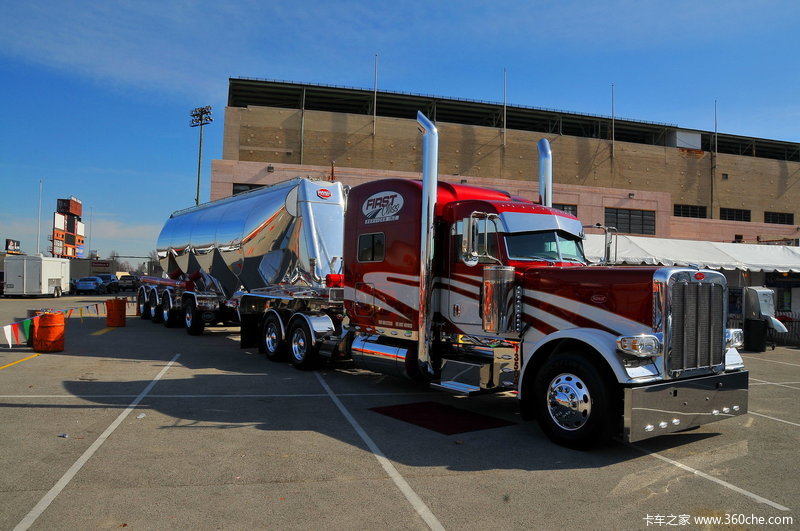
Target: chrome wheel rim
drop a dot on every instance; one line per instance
(187, 315)
(299, 345)
(569, 402)
(271, 337)
(165, 308)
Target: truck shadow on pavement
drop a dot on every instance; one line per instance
(215, 385)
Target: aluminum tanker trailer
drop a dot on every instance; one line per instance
(467, 289)
(280, 244)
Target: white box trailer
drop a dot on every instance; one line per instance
(36, 276)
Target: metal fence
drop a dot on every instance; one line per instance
(791, 320)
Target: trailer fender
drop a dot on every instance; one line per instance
(281, 322)
(599, 343)
(320, 324)
(189, 295)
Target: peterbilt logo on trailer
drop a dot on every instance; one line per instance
(383, 206)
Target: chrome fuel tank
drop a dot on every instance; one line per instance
(287, 233)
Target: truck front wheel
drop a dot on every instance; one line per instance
(304, 353)
(271, 340)
(573, 402)
(192, 319)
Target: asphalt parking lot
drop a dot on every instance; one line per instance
(148, 427)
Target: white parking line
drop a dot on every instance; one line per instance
(764, 382)
(401, 483)
(774, 418)
(718, 481)
(48, 498)
(772, 361)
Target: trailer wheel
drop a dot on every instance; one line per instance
(168, 313)
(156, 310)
(192, 320)
(271, 340)
(304, 353)
(141, 302)
(573, 402)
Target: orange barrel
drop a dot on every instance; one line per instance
(49, 335)
(115, 312)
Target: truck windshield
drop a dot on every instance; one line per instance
(556, 246)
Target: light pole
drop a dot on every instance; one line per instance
(200, 116)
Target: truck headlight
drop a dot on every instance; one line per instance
(643, 346)
(734, 338)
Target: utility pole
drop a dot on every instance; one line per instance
(375, 99)
(200, 116)
(39, 220)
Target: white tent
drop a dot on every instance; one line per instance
(713, 255)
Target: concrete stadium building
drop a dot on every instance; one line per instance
(643, 178)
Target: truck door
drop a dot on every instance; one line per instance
(462, 306)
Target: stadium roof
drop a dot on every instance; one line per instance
(244, 92)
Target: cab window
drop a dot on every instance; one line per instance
(371, 247)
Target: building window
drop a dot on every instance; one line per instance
(371, 247)
(239, 188)
(631, 221)
(569, 209)
(734, 214)
(690, 211)
(781, 218)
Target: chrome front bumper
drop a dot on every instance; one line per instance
(653, 410)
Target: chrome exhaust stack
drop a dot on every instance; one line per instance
(545, 172)
(430, 177)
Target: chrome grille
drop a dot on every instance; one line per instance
(697, 327)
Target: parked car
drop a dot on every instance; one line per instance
(128, 283)
(110, 283)
(89, 285)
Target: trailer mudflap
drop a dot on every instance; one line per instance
(653, 410)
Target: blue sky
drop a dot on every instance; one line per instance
(97, 94)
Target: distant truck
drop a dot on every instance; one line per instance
(87, 267)
(36, 276)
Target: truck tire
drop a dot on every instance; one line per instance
(141, 302)
(573, 402)
(156, 310)
(168, 313)
(271, 341)
(192, 320)
(303, 352)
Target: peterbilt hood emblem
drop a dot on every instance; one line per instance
(599, 298)
(324, 193)
(383, 206)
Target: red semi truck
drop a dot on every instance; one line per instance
(467, 289)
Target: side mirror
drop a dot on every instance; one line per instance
(469, 242)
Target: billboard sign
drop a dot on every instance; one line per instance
(13, 246)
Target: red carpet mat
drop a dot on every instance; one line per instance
(447, 420)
